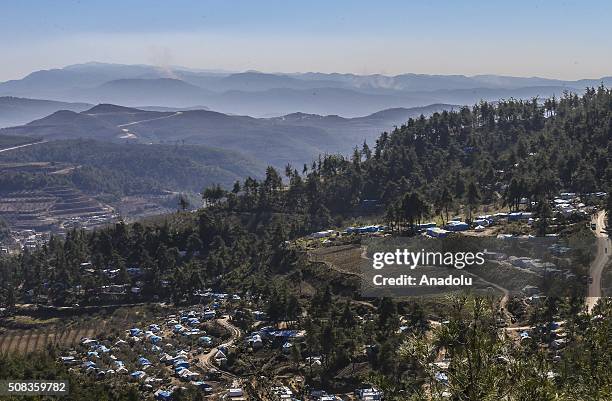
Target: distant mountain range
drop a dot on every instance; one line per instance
(294, 138)
(266, 95)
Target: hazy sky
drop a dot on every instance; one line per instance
(560, 39)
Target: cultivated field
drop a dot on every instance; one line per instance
(25, 341)
(344, 258)
(50, 208)
(24, 334)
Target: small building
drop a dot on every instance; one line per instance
(259, 315)
(188, 375)
(530, 290)
(204, 387)
(142, 361)
(437, 232)
(456, 225)
(287, 347)
(256, 341)
(236, 394)
(68, 360)
(155, 339)
(425, 226)
(135, 332)
(322, 234)
(369, 394)
(138, 375)
(205, 340)
(482, 222)
(163, 395)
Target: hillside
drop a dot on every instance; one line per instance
(296, 139)
(509, 154)
(65, 124)
(128, 169)
(119, 115)
(9, 141)
(18, 111)
(158, 91)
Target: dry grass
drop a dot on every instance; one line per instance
(24, 334)
(344, 258)
(26, 341)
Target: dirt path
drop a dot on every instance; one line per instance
(65, 171)
(604, 247)
(21, 146)
(206, 360)
(178, 113)
(505, 298)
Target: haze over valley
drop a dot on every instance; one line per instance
(260, 94)
(118, 131)
(206, 200)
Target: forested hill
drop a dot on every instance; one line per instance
(127, 169)
(510, 149)
(563, 144)
(237, 246)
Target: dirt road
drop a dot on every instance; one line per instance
(21, 146)
(604, 247)
(206, 360)
(178, 113)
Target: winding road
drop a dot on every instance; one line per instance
(206, 360)
(604, 247)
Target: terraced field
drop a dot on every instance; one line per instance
(65, 332)
(50, 208)
(25, 341)
(345, 259)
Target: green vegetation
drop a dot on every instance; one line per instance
(125, 169)
(18, 181)
(188, 251)
(4, 230)
(485, 364)
(7, 141)
(488, 154)
(44, 366)
(491, 154)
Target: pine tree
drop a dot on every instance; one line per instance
(472, 199)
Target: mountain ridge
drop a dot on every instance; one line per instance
(295, 138)
(264, 94)
(17, 111)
